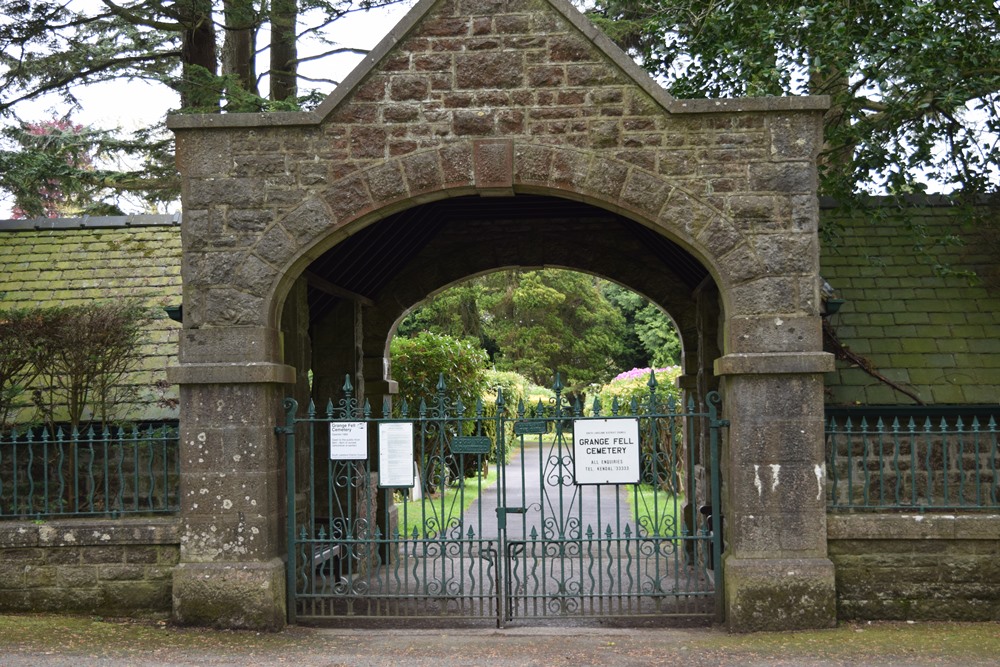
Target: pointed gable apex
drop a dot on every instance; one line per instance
(426, 10)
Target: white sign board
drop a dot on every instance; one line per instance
(606, 451)
(348, 441)
(395, 454)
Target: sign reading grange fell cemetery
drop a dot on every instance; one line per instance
(606, 451)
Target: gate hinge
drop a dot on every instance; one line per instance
(721, 422)
(284, 430)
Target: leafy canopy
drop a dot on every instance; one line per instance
(218, 55)
(539, 323)
(913, 83)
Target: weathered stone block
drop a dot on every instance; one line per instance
(780, 594)
(247, 595)
(494, 69)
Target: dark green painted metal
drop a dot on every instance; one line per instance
(536, 545)
(471, 444)
(530, 426)
(111, 472)
(947, 463)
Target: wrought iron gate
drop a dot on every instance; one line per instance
(501, 512)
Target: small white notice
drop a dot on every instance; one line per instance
(348, 441)
(606, 451)
(395, 454)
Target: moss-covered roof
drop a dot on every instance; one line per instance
(71, 261)
(933, 333)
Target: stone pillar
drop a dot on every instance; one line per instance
(777, 574)
(231, 572)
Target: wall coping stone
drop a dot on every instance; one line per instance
(574, 16)
(232, 373)
(87, 532)
(769, 363)
(936, 526)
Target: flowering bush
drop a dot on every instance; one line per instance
(634, 384)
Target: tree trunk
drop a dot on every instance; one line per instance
(199, 88)
(238, 47)
(284, 55)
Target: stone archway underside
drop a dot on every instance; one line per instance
(503, 98)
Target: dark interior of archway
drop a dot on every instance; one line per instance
(363, 264)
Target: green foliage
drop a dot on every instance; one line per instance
(913, 84)
(650, 338)
(515, 389)
(418, 364)
(205, 50)
(536, 323)
(514, 386)
(73, 358)
(633, 385)
(52, 169)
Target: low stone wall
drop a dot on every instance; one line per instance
(106, 566)
(929, 567)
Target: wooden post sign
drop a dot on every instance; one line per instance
(606, 451)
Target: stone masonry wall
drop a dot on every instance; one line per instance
(113, 566)
(506, 97)
(929, 567)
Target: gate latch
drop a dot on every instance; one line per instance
(502, 513)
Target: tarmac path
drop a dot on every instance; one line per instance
(539, 480)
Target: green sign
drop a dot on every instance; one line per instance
(530, 426)
(471, 444)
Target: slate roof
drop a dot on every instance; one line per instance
(67, 261)
(937, 335)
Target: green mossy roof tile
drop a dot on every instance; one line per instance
(74, 266)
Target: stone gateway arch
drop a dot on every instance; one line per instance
(483, 134)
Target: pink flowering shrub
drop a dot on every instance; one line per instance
(634, 384)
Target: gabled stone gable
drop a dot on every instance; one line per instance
(520, 97)
(496, 98)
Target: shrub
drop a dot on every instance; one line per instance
(72, 359)
(418, 363)
(514, 387)
(634, 385)
(17, 336)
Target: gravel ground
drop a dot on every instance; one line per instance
(76, 642)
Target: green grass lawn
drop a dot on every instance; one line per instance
(428, 514)
(657, 511)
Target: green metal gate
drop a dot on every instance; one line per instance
(503, 513)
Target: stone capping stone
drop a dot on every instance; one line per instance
(233, 373)
(567, 10)
(88, 532)
(92, 222)
(929, 526)
(770, 363)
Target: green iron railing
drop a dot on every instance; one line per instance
(912, 464)
(106, 472)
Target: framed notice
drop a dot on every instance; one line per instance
(395, 454)
(606, 451)
(348, 441)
